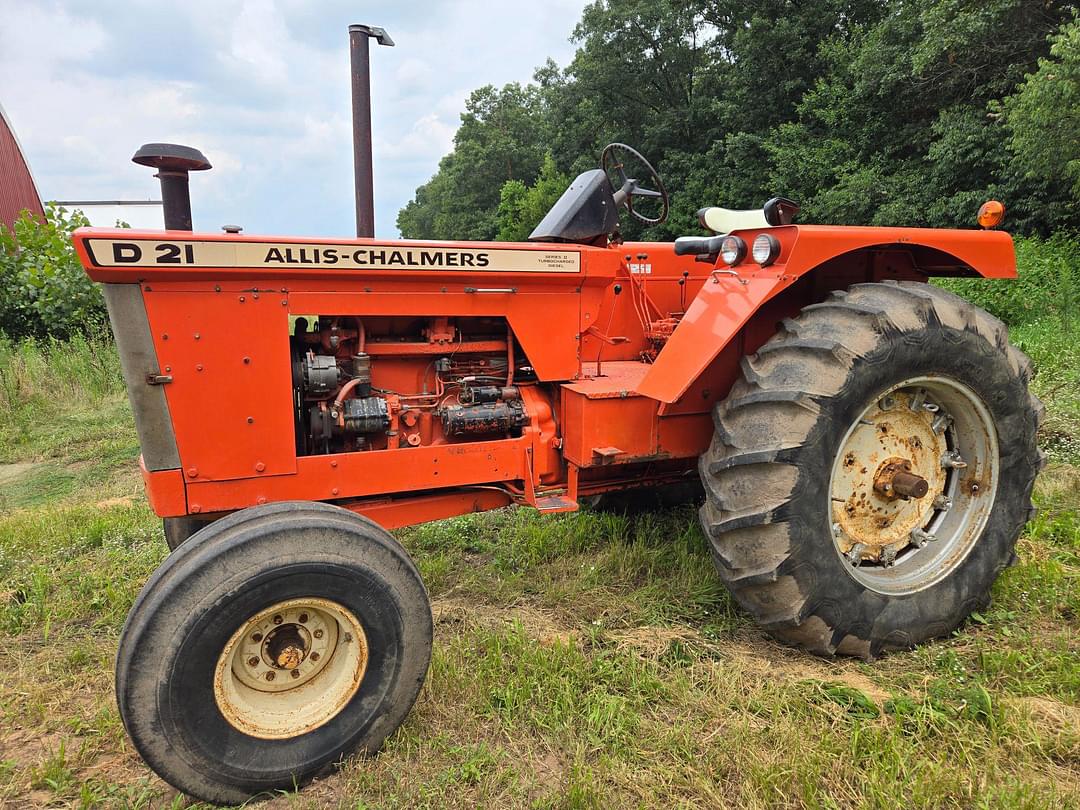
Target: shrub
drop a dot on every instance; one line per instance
(1048, 283)
(44, 291)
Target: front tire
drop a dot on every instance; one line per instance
(269, 645)
(806, 530)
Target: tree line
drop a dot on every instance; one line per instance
(867, 112)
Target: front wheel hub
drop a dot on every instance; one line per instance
(290, 668)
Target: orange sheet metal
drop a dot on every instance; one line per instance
(375, 472)
(398, 512)
(723, 307)
(165, 491)
(715, 317)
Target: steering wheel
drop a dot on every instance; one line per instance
(613, 159)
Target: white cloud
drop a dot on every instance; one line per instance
(262, 87)
(413, 74)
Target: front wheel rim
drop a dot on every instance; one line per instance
(931, 428)
(290, 668)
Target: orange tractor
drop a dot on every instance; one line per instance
(866, 442)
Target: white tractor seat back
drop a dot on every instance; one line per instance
(725, 220)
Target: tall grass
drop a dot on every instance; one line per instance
(52, 372)
(55, 394)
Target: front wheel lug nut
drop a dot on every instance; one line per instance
(295, 673)
(314, 656)
(303, 618)
(253, 661)
(317, 634)
(257, 638)
(278, 619)
(269, 676)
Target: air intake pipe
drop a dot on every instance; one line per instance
(173, 163)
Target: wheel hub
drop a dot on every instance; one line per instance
(290, 668)
(893, 445)
(913, 484)
(895, 479)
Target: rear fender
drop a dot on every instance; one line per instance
(834, 257)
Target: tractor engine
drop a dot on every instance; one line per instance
(382, 382)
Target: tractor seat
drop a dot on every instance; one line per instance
(777, 211)
(725, 220)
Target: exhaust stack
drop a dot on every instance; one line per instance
(173, 162)
(361, 109)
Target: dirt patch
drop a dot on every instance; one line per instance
(652, 641)
(542, 625)
(27, 747)
(126, 500)
(10, 472)
(778, 662)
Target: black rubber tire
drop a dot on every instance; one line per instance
(767, 471)
(178, 530)
(229, 571)
(636, 501)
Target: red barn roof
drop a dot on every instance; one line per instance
(17, 189)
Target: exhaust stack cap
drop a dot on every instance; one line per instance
(375, 31)
(171, 157)
(173, 162)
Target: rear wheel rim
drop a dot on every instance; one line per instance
(290, 668)
(940, 431)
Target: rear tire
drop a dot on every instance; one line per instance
(323, 579)
(770, 473)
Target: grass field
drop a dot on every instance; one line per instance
(581, 661)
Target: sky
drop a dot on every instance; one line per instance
(262, 88)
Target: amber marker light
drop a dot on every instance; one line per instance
(991, 214)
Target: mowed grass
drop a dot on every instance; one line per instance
(585, 660)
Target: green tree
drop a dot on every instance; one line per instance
(1044, 115)
(44, 290)
(901, 127)
(522, 207)
(865, 111)
(501, 138)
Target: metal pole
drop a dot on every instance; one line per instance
(359, 36)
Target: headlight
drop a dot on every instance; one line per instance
(732, 250)
(766, 249)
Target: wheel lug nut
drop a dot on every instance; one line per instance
(920, 538)
(317, 634)
(314, 656)
(269, 676)
(253, 661)
(295, 673)
(278, 619)
(257, 638)
(953, 461)
(303, 618)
